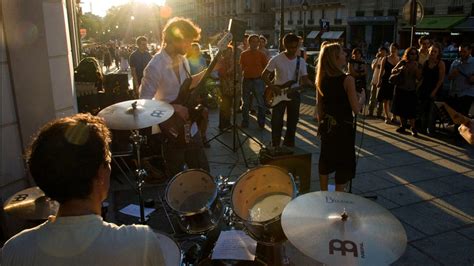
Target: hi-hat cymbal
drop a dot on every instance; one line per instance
(338, 228)
(31, 204)
(136, 114)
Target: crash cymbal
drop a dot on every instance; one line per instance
(339, 228)
(136, 114)
(31, 204)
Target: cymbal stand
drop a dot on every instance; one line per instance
(137, 141)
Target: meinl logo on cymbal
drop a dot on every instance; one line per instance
(346, 247)
(330, 199)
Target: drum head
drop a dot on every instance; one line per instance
(191, 191)
(170, 249)
(262, 193)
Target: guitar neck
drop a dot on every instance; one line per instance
(209, 69)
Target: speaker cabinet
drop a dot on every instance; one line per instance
(298, 164)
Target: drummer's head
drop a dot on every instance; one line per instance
(70, 158)
(180, 33)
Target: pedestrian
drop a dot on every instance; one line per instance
(385, 93)
(432, 80)
(376, 68)
(404, 98)
(253, 62)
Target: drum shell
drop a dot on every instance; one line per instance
(172, 252)
(273, 179)
(181, 187)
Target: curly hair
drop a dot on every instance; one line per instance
(66, 155)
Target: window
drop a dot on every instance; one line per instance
(359, 13)
(455, 10)
(392, 12)
(311, 14)
(337, 21)
(429, 11)
(378, 13)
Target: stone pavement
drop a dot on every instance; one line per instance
(427, 183)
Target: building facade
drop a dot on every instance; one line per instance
(213, 16)
(311, 18)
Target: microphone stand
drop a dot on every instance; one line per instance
(236, 129)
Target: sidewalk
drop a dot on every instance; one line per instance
(428, 184)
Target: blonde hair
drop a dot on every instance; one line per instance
(327, 64)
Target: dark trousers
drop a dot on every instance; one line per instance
(292, 109)
(192, 155)
(225, 111)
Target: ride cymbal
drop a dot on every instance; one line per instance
(339, 228)
(136, 114)
(31, 204)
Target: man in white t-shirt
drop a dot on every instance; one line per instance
(286, 66)
(70, 161)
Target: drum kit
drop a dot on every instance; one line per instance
(316, 228)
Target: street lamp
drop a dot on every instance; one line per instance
(304, 6)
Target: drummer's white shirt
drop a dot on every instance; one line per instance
(83, 240)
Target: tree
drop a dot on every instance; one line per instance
(93, 24)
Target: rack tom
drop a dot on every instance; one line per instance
(258, 199)
(192, 194)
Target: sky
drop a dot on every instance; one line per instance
(100, 7)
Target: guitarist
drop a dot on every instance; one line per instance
(162, 79)
(286, 66)
(462, 75)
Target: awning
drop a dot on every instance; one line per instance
(332, 35)
(467, 25)
(312, 35)
(377, 20)
(439, 22)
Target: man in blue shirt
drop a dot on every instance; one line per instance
(461, 74)
(138, 61)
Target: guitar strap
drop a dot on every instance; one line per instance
(297, 73)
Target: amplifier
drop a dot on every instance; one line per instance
(116, 89)
(298, 164)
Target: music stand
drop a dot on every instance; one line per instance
(237, 28)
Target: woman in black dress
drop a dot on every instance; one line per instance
(404, 99)
(433, 77)
(385, 93)
(337, 100)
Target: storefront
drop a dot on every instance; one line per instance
(374, 31)
(439, 28)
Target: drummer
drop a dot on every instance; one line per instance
(70, 161)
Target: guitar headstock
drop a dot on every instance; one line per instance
(224, 41)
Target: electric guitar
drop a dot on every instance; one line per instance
(175, 127)
(271, 99)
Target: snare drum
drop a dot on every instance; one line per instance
(171, 252)
(258, 199)
(192, 194)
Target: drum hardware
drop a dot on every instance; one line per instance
(134, 115)
(31, 204)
